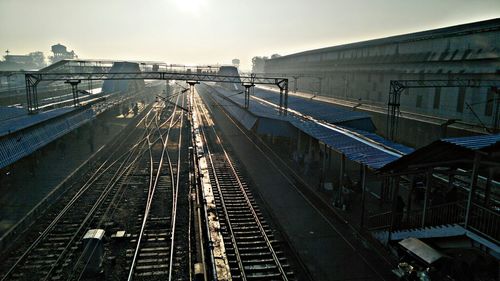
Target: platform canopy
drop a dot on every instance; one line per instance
(450, 152)
(365, 148)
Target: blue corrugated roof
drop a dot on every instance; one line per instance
(15, 124)
(11, 112)
(357, 145)
(474, 142)
(354, 149)
(317, 109)
(447, 150)
(22, 143)
(385, 142)
(244, 117)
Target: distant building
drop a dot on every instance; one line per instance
(236, 62)
(361, 72)
(61, 53)
(31, 61)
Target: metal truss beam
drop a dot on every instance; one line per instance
(89, 66)
(32, 80)
(398, 86)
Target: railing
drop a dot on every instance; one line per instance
(485, 221)
(379, 221)
(449, 213)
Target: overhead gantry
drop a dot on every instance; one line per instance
(398, 86)
(33, 79)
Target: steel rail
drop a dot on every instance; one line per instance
(100, 171)
(224, 209)
(121, 172)
(150, 131)
(292, 180)
(108, 209)
(177, 182)
(243, 191)
(152, 188)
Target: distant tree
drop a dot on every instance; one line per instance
(236, 62)
(258, 64)
(275, 56)
(38, 59)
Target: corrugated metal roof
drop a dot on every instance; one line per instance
(244, 117)
(276, 128)
(317, 109)
(403, 149)
(21, 122)
(357, 145)
(474, 142)
(24, 142)
(448, 150)
(357, 150)
(11, 112)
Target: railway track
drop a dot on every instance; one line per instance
(49, 253)
(295, 180)
(57, 252)
(138, 196)
(252, 251)
(160, 251)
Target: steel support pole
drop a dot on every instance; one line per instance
(428, 186)
(393, 109)
(472, 188)
(323, 168)
(395, 194)
(286, 97)
(342, 170)
(247, 95)
(410, 194)
(496, 118)
(281, 100)
(389, 113)
(487, 191)
(28, 95)
(363, 195)
(31, 93)
(74, 90)
(35, 95)
(75, 94)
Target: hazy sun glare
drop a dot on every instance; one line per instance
(190, 6)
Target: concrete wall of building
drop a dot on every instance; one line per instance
(363, 71)
(110, 86)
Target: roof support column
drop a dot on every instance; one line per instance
(487, 192)
(281, 99)
(341, 178)
(323, 166)
(428, 186)
(31, 93)
(74, 91)
(472, 188)
(363, 194)
(247, 94)
(410, 194)
(396, 216)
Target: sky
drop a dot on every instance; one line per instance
(217, 31)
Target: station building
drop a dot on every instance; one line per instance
(359, 74)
